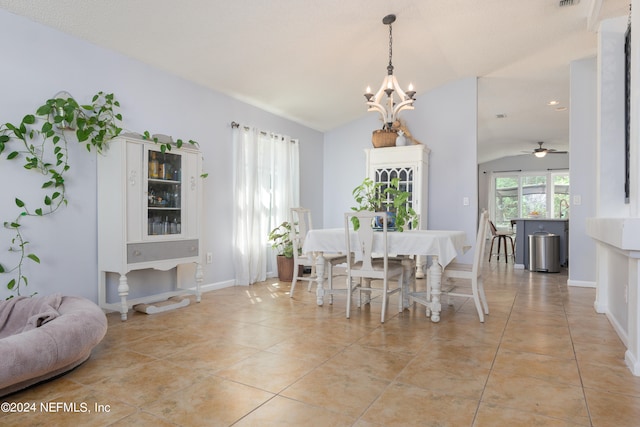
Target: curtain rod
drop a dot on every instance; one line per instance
(235, 125)
(514, 170)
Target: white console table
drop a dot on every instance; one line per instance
(618, 279)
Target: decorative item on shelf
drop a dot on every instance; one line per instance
(400, 125)
(396, 99)
(401, 140)
(384, 138)
(376, 197)
(280, 239)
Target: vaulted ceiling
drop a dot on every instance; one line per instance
(310, 60)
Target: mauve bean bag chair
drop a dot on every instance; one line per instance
(45, 336)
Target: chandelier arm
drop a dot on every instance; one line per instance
(373, 106)
(404, 105)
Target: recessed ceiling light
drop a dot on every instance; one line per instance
(561, 109)
(553, 102)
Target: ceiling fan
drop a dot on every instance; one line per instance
(541, 152)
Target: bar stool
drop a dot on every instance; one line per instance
(502, 236)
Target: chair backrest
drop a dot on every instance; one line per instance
(300, 220)
(493, 228)
(481, 240)
(363, 248)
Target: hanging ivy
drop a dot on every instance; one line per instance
(40, 143)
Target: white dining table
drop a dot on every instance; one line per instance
(442, 245)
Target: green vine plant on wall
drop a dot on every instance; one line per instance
(40, 141)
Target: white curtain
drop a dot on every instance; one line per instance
(266, 186)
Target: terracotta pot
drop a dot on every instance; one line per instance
(285, 269)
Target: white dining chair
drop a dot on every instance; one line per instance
(365, 265)
(469, 272)
(301, 223)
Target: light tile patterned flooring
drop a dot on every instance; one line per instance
(251, 356)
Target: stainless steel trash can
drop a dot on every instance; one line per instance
(544, 252)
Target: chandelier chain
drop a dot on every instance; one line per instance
(390, 66)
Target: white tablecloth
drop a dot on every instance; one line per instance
(445, 244)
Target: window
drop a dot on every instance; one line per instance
(529, 195)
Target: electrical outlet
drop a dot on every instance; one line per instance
(209, 257)
(577, 200)
(465, 201)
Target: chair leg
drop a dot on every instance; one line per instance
(476, 299)
(349, 291)
(385, 298)
(483, 297)
(491, 248)
(401, 298)
(329, 269)
(293, 282)
(513, 249)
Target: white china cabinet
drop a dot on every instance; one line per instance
(410, 164)
(149, 215)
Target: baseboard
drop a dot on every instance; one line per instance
(581, 283)
(216, 286)
(632, 363)
(622, 334)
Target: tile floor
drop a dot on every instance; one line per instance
(251, 356)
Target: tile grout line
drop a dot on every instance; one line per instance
(575, 356)
(475, 415)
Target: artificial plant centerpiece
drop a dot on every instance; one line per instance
(382, 197)
(280, 240)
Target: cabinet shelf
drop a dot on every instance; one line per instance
(163, 181)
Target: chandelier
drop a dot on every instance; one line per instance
(396, 99)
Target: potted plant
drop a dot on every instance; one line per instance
(280, 239)
(377, 196)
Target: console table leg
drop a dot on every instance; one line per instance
(123, 291)
(199, 280)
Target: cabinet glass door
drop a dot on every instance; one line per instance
(164, 193)
(405, 178)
